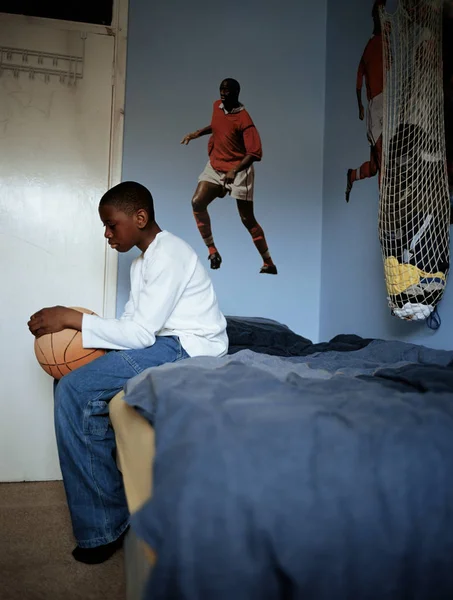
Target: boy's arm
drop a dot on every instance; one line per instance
(129, 308)
(54, 319)
(196, 134)
(57, 318)
(165, 282)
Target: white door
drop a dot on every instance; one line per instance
(55, 128)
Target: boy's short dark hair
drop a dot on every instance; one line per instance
(129, 197)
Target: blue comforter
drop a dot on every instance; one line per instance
(324, 477)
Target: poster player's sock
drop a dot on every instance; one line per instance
(203, 222)
(259, 240)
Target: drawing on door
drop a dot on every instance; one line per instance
(55, 144)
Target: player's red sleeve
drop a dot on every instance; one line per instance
(252, 142)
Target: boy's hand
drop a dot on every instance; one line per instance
(361, 112)
(56, 318)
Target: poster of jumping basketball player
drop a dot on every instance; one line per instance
(371, 72)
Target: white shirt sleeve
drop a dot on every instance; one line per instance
(129, 308)
(163, 283)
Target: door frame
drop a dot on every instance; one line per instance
(118, 30)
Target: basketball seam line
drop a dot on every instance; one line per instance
(55, 364)
(67, 346)
(53, 354)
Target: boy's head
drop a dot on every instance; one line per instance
(127, 211)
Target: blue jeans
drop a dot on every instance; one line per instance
(86, 441)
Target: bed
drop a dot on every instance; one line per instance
(291, 470)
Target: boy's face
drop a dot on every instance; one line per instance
(121, 230)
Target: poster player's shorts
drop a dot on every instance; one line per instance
(241, 188)
(375, 118)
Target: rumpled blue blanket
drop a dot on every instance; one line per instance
(326, 477)
(268, 336)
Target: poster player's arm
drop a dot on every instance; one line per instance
(359, 85)
(245, 163)
(196, 134)
(253, 149)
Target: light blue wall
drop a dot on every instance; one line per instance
(178, 53)
(353, 296)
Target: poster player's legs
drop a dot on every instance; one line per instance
(247, 215)
(374, 133)
(376, 152)
(369, 168)
(205, 193)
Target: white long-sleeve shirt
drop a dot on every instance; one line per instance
(171, 294)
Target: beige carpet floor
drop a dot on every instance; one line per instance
(35, 550)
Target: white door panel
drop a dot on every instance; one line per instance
(54, 167)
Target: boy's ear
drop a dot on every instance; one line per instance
(141, 218)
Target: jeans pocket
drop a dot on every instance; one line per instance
(96, 418)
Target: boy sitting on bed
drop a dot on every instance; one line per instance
(172, 313)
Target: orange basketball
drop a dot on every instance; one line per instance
(62, 352)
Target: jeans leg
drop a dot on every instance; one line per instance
(86, 441)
